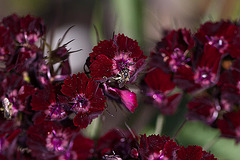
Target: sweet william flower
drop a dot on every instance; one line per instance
(52, 141)
(46, 101)
(223, 35)
(203, 74)
(203, 108)
(194, 153)
(119, 59)
(229, 125)
(85, 97)
(26, 30)
(155, 147)
(229, 84)
(158, 86)
(173, 51)
(116, 143)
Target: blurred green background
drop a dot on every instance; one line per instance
(144, 21)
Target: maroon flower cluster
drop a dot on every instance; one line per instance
(44, 107)
(204, 65)
(120, 144)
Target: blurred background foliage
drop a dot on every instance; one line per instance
(144, 21)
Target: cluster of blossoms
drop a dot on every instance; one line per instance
(44, 107)
(204, 65)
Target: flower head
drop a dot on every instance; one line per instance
(220, 35)
(158, 87)
(119, 59)
(85, 97)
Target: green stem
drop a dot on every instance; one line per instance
(159, 124)
(212, 142)
(179, 129)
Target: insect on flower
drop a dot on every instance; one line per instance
(122, 77)
(7, 108)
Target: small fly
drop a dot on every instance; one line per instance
(7, 108)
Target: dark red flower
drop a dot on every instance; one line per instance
(173, 51)
(52, 141)
(119, 59)
(26, 30)
(85, 97)
(229, 83)
(223, 35)
(46, 101)
(229, 125)
(205, 74)
(158, 87)
(203, 108)
(155, 147)
(194, 153)
(190, 153)
(116, 142)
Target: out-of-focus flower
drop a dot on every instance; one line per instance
(205, 74)
(203, 108)
(221, 35)
(116, 142)
(173, 51)
(27, 30)
(229, 84)
(85, 97)
(119, 59)
(46, 101)
(156, 147)
(194, 153)
(158, 87)
(15, 95)
(229, 125)
(51, 141)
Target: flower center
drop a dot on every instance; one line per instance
(219, 42)
(158, 97)
(56, 111)
(178, 58)
(204, 76)
(81, 103)
(56, 141)
(123, 66)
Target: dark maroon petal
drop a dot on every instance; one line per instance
(43, 99)
(203, 109)
(159, 80)
(84, 119)
(208, 156)
(172, 103)
(108, 48)
(101, 67)
(170, 149)
(190, 153)
(83, 147)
